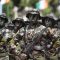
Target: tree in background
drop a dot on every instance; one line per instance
(24, 3)
(7, 8)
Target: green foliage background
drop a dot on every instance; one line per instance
(23, 3)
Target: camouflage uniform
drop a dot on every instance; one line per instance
(3, 52)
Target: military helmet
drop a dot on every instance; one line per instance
(58, 23)
(4, 18)
(48, 21)
(18, 22)
(33, 15)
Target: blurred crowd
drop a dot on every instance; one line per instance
(14, 8)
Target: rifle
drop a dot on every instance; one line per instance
(35, 39)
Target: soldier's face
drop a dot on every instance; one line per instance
(59, 24)
(16, 24)
(1, 22)
(48, 23)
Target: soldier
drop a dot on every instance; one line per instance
(3, 21)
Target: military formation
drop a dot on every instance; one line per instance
(37, 38)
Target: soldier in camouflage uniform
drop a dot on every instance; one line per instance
(3, 49)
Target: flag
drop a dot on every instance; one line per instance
(42, 4)
(7, 1)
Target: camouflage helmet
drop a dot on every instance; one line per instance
(48, 21)
(33, 15)
(4, 18)
(58, 23)
(18, 22)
